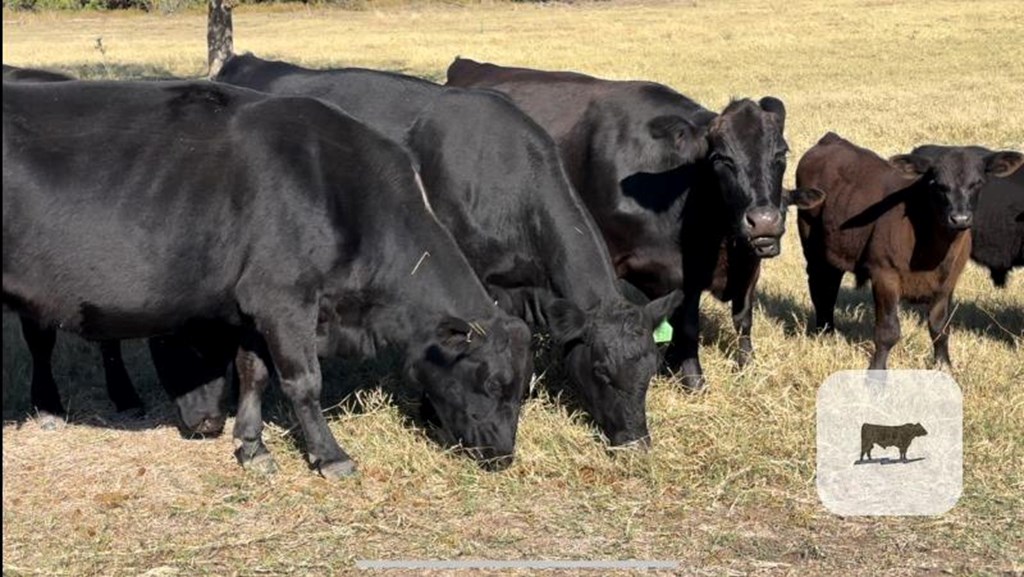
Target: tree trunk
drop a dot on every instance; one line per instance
(219, 34)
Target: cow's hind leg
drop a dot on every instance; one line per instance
(119, 385)
(253, 365)
(44, 394)
(938, 328)
(291, 340)
(823, 281)
(886, 290)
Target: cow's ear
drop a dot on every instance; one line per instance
(631, 293)
(454, 333)
(804, 198)
(1003, 163)
(689, 141)
(566, 321)
(910, 165)
(775, 106)
(661, 308)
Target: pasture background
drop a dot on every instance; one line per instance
(728, 487)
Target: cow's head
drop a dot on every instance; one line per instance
(201, 411)
(918, 430)
(747, 152)
(953, 177)
(611, 357)
(475, 377)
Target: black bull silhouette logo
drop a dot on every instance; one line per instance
(888, 436)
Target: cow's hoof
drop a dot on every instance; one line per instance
(744, 358)
(254, 456)
(337, 470)
(261, 463)
(50, 422)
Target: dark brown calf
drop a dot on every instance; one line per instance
(903, 223)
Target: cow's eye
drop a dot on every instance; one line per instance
(492, 387)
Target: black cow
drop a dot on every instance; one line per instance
(889, 436)
(495, 181)
(997, 237)
(40, 341)
(131, 209)
(684, 197)
(192, 376)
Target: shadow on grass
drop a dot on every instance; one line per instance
(1001, 323)
(887, 461)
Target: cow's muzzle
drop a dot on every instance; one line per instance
(764, 227)
(960, 220)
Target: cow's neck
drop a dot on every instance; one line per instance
(578, 264)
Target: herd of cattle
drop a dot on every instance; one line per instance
(277, 214)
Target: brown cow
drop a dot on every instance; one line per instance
(903, 223)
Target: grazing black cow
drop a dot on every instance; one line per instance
(997, 237)
(40, 341)
(889, 436)
(684, 197)
(495, 181)
(903, 223)
(131, 209)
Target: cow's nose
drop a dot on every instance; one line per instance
(961, 220)
(764, 221)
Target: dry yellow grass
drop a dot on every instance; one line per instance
(729, 485)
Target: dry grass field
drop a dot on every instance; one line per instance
(728, 487)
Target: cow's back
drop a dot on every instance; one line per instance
(116, 192)
(391, 102)
(855, 182)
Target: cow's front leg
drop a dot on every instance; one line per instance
(682, 355)
(938, 328)
(291, 340)
(743, 317)
(886, 288)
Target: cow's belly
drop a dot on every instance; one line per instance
(920, 287)
(648, 259)
(103, 293)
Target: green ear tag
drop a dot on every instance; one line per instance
(663, 334)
